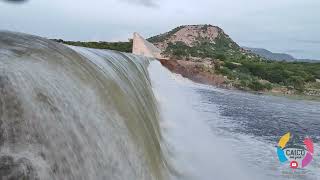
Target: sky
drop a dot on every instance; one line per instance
(288, 26)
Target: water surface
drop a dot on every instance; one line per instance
(221, 134)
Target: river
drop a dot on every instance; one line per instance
(223, 134)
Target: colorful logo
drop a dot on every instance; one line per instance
(299, 156)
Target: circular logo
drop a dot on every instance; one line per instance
(294, 164)
(298, 155)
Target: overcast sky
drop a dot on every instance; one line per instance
(290, 26)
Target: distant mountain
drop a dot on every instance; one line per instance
(308, 60)
(270, 55)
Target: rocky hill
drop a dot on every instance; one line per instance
(195, 41)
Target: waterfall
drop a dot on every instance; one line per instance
(76, 113)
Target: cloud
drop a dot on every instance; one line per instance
(147, 3)
(15, 1)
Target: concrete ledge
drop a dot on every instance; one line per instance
(144, 48)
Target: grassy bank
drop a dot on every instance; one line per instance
(117, 46)
(258, 74)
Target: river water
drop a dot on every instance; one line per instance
(222, 134)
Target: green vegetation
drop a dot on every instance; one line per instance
(118, 46)
(203, 48)
(248, 71)
(251, 71)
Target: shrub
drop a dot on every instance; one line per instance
(257, 86)
(231, 65)
(297, 82)
(222, 57)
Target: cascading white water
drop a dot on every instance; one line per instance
(75, 113)
(197, 153)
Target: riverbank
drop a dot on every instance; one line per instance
(203, 72)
